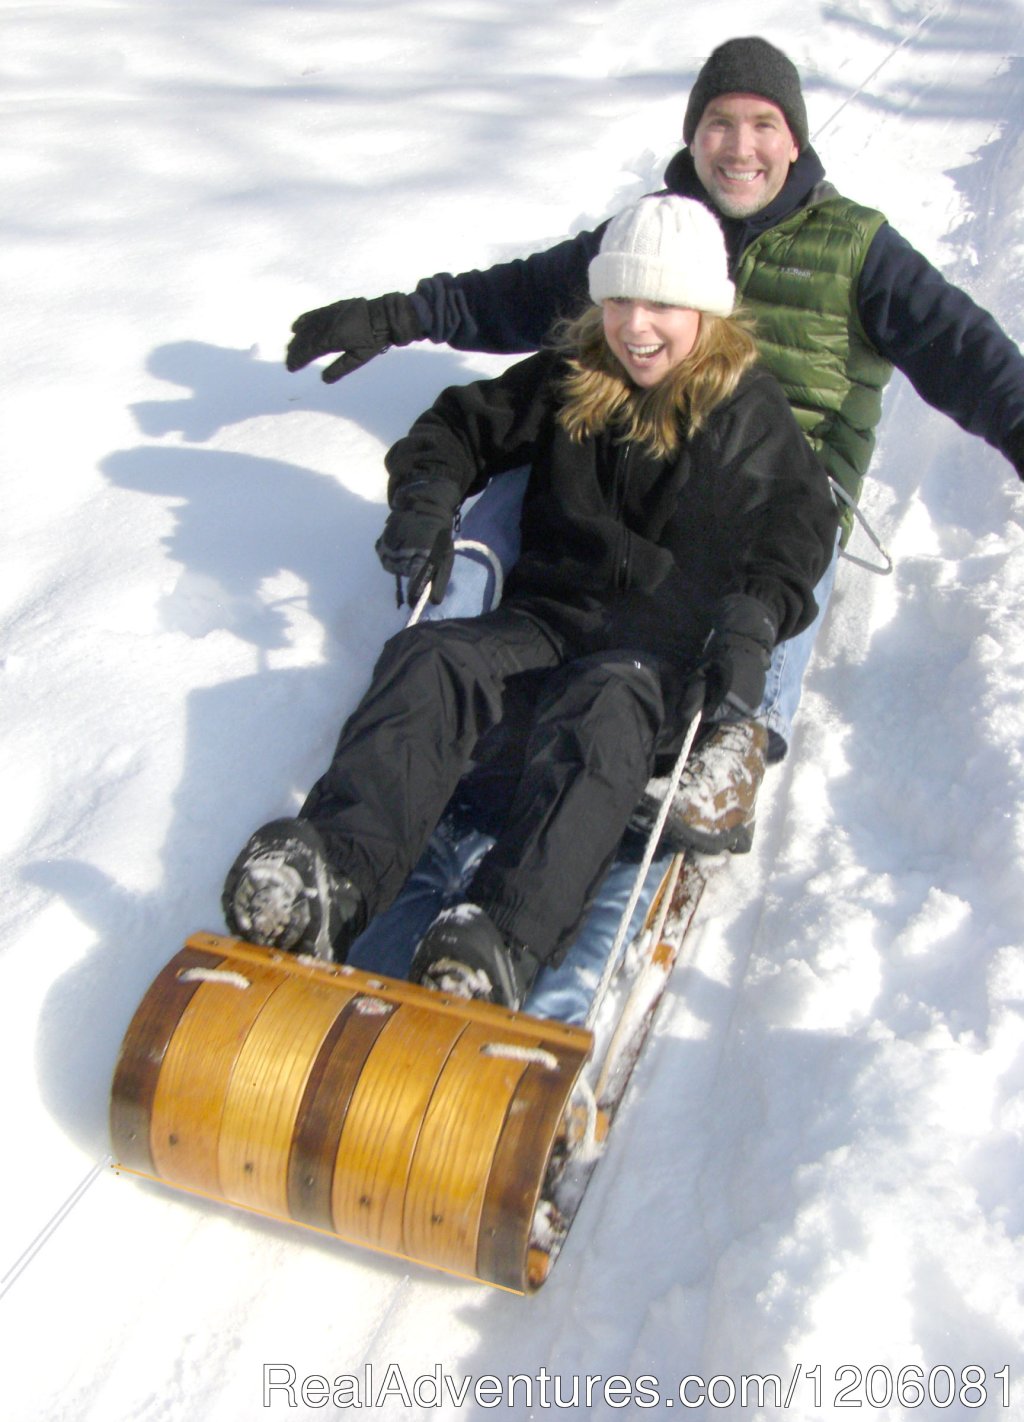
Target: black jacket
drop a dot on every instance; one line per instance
(953, 352)
(623, 550)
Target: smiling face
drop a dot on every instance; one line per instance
(742, 151)
(647, 338)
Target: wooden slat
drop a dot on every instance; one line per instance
(321, 1115)
(518, 1170)
(460, 1134)
(142, 1054)
(384, 1121)
(266, 1087)
(190, 1095)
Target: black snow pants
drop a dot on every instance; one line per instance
(436, 690)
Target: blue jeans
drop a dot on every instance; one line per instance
(438, 881)
(786, 672)
(493, 519)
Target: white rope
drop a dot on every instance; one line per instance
(627, 1025)
(536, 1056)
(907, 39)
(214, 975)
(841, 493)
(472, 545)
(861, 88)
(235, 980)
(638, 883)
(467, 545)
(417, 612)
(22, 1263)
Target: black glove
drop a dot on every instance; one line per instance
(359, 328)
(737, 654)
(417, 542)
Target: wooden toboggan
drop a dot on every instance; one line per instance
(365, 1107)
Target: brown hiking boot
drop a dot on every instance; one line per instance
(713, 807)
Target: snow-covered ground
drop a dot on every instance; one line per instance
(821, 1164)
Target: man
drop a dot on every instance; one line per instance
(839, 298)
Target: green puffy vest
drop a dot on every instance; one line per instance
(799, 280)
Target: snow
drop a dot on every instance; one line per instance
(820, 1164)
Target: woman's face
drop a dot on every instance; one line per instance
(648, 339)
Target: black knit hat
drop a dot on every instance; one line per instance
(749, 66)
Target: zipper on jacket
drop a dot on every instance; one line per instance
(619, 484)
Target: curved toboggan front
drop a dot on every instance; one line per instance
(362, 1106)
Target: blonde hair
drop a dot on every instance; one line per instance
(597, 393)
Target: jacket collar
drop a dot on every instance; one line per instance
(804, 177)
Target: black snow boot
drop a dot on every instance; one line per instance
(282, 892)
(464, 954)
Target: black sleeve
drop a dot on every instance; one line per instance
(779, 499)
(956, 356)
(474, 431)
(511, 307)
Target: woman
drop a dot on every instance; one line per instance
(674, 526)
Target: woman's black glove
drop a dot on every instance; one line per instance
(737, 654)
(417, 542)
(359, 328)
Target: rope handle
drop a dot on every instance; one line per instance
(214, 975)
(638, 883)
(514, 1051)
(467, 545)
(841, 493)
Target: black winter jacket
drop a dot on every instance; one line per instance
(623, 550)
(953, 352)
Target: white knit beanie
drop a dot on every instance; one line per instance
(667, 249)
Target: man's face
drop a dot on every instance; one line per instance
(742, 151)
